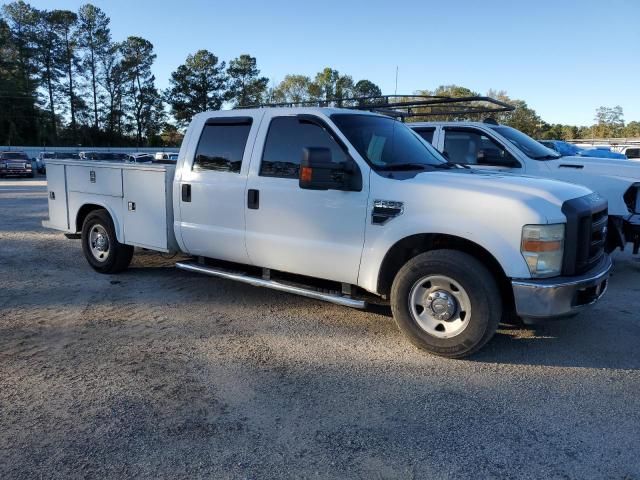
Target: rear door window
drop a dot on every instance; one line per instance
(221, 146)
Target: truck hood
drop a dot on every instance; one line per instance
(609, 177)
(537, 194)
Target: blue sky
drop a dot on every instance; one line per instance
(565, 58)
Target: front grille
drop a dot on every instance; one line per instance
(586, 233)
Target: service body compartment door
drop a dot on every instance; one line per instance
(99, 180)
(145, 208)
(57, 191)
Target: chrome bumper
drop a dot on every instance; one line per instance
(561, 296)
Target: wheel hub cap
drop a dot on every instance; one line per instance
(101, 243)
(441, 304)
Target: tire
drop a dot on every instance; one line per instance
(454, 285)
(100, 245)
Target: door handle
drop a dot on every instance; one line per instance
(253, 199)
(186, 192)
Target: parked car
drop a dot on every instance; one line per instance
(632, 152)
(347, 207)
(104, 156)
(140, 158)
(44, 156)
(567, 149)
(490, 146)
(15, 164)
(170, 156)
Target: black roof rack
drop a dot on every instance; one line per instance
(405, 106)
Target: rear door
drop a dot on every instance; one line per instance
(212, 188)
(319, 233)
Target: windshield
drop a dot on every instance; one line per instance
(526, 144)
(385, 142)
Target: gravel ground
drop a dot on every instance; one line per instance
(160, 373)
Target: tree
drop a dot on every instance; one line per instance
(196, 86)
(112, 79)
(18, 78)
(366, 88)
(94, 37)
(632, 129)
(137, 58)
(65, 22)
(51, 63)
(609, 122)
(292, 89)
(245, 86)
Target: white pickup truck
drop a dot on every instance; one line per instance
(491, 146)
(349, 207)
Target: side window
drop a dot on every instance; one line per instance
(286, 138)
(426, 133)
(474, 148)
(221, 146)
(633, 153)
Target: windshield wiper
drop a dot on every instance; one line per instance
(404, 166)
(449, 165)
(547, 157)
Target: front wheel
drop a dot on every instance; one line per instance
(446, 302)
(100, 245)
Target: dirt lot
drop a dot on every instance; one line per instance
(163, 374)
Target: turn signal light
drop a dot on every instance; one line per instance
(306, 173)
(541, 245)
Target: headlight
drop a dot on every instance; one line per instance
(542, 248)
(27, 165)
(3, 165)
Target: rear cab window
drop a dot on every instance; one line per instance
(222, 144)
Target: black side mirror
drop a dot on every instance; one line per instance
(318, 172)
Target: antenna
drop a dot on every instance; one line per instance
(396, 90)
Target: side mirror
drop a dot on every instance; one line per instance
(318, 172)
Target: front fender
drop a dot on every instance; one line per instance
(502, 243)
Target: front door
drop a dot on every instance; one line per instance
(319, 233)
(212, 189)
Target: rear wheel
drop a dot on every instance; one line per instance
(446, 302)
(100, 245)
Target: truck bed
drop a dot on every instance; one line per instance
(138, 197)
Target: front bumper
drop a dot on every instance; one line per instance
(560, 296)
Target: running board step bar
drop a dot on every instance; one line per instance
(260, 282)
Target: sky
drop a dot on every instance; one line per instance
(564, 58)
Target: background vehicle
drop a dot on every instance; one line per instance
(15, 164)
(166, 156)
(104, 156)
(44, 156)
(632, 153)
(140, 158)
(490, 146)
(347, 207)
(567, 149)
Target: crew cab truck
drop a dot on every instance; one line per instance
(15, 164)
(348, 207)
(490, 146)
